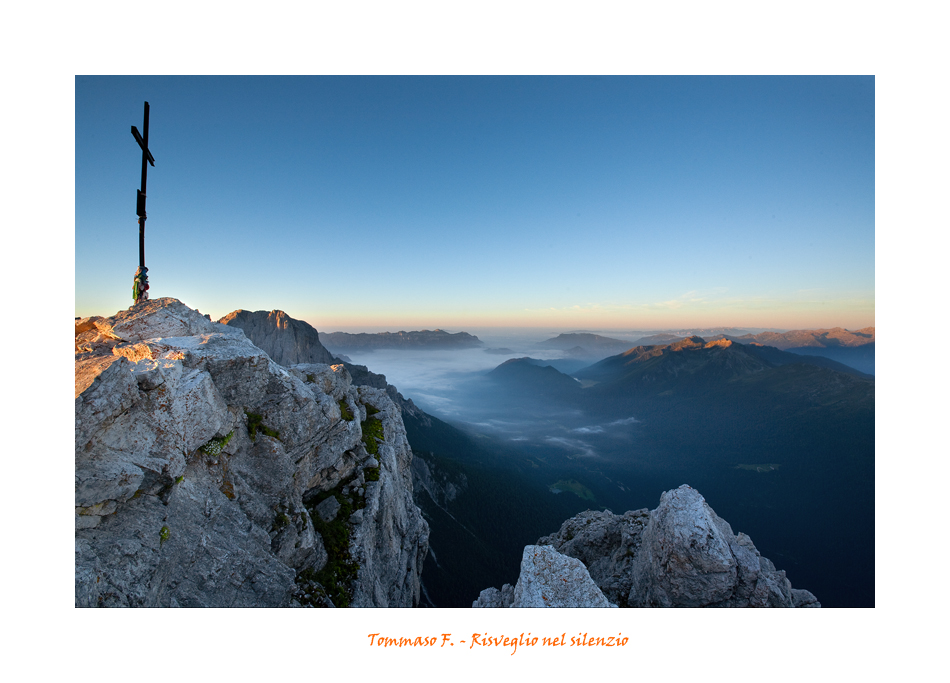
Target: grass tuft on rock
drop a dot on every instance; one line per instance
(372, 429)
(216, 445)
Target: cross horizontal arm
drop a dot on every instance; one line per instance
(138, 139)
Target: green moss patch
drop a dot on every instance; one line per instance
(310, 592)
(255, 424)
(280, 521)
(337, 576)
(335, 580)
(345, 411)
(372, 429)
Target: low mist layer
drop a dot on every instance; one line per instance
(783, 464)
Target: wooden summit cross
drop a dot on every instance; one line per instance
(140, 283)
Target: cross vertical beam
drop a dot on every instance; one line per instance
(140, 283)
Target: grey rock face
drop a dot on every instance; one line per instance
(679, 555)
(390, 538)
(363, 377)
(291, 342)
(286, 340)
(328, 509)
(689, 557)
(607, 545)
(547, 579)
(492, 597)
(440, 487)
(195, 454)
(550, 579)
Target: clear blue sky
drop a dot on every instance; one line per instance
(411, 202)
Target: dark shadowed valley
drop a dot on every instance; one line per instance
(780, 442)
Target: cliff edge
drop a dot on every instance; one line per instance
(209, 475)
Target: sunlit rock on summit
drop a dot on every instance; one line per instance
(201, 462)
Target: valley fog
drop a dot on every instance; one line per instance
(606, 454)
(434, 378)
(788, 484)
(450, 384)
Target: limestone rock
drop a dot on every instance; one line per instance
(364, 377)
(153, 318)
(606, 543)
(286, 340)
(689, 557)
(550, 579)
(390, 537)
(803, 598)
(686, 557)
(328, 509)
(679, 555)
(195, 454)
(105, 388)
(547, 579)
(492, 597)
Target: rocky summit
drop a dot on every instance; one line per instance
(682, 554)
(203, 471)
(208, 474)
(286, 340)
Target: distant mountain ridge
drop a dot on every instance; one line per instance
(432, 339)
(663, 338)
(721, 413)
(852, 348)
(693, 360)
(578, 344)
(534, 377)
(827, 338)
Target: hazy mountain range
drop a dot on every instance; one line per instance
(780, 441)
(784, 442)
(829, 338)
(853, 348)
(431, 339)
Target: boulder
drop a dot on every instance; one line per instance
(682, 554)
(607, 545)
(550, 579)
(547, 579)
